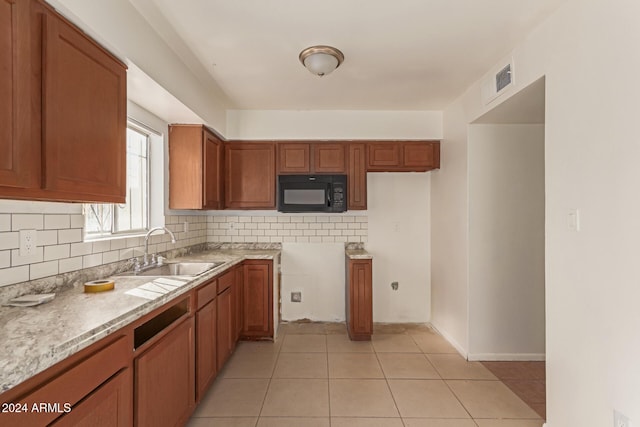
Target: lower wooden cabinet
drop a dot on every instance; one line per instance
(359, 299)
(109, 406)
(237, 292)
(206, 350)
(154, 371)
(69, 389)
(224, 326)
(164, 379)
(258, 299)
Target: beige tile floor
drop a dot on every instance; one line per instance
(314, 376)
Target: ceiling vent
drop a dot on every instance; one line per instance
(497, 83)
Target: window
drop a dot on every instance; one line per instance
(102, 219)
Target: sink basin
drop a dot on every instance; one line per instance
(176, 269)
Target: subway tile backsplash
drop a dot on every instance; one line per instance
(287, 228)
(61, 249)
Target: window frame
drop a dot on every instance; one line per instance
(139, 127)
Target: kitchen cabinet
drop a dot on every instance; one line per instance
(310, 158)
(224, 326)
(403, 156)
(206, 337)
(258, 299)
(19, 120)
(250, 175)
(237, 294)
(357, 177)
(95, 383)
(63, 110)
(164, 379)
(359, 300)
(225, 317)
(195, 168)
(107, 406)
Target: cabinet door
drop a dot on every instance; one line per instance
(383, 155)
(109, 406)
(360, 300)
(206, 337)
(357, 177)
(164, 378)
(19, 120)
(250, 175)
(293, 157)
(84, 115)
(239, 289)
(420, 155)
(224, 325)
(258, 299)
(329, 158)
(212, 171)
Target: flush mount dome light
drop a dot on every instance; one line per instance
(321, 60)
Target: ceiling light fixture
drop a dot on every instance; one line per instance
(321, 60)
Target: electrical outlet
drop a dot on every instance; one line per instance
(28, 242)
(185, 227)
(620, 420)
(296, 296)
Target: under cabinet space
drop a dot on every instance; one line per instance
(157, 324)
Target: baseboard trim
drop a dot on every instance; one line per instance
(502, 357)
(460, 349)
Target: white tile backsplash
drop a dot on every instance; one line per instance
(61, 247)
(288, 228)
(52, 222)
(27, 222)
(5, 222)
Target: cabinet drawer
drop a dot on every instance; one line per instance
(206, 293)
(72, 385)
(225, 281)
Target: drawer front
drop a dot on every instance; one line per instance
(225, 281)
(72, 385)
(206, 293)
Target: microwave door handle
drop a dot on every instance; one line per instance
(328, 199)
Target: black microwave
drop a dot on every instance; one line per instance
(312, 193)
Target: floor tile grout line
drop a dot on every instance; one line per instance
(395, 403)
(264, 399)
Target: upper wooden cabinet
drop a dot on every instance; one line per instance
(19, 117)
(62, 110)
(195, 168)
(357, 177)
(305, 158)
(250, 175)
(403, 156)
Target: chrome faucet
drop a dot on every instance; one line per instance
(145, 259)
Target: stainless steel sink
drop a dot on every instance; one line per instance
(176, 269)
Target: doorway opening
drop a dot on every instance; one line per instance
(507, 243)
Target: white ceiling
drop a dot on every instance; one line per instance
(399, 55)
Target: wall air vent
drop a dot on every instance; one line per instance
(503, 78)
(497, 82)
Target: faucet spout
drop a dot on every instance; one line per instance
(146, 241)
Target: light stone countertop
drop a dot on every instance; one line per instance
(358, 254)
(35, 338)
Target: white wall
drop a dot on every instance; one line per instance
(120, 27)
(449, 233)
(506, 242)
(588, 52)
(260, 124)
(316, 270)
(400, 242)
